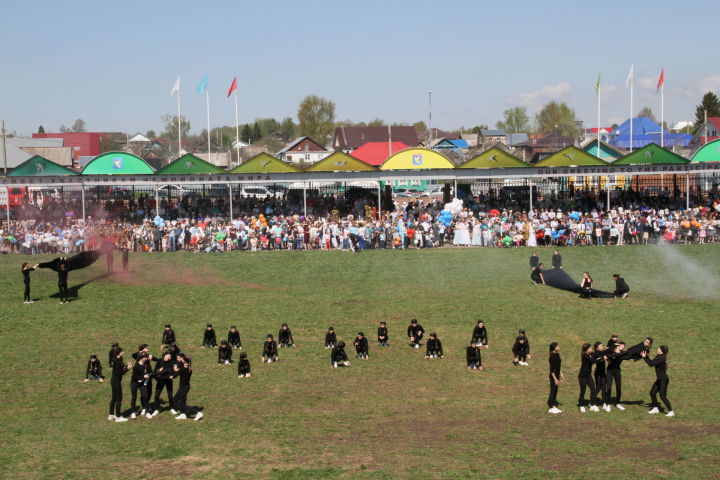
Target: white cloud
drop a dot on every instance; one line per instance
(535, 100)
(700, 86)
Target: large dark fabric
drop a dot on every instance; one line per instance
(560, 279)
(81, 260)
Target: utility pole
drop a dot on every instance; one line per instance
(4, 153)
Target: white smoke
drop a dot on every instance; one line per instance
(685, 276)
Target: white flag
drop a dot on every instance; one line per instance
(176, 87)
(630, 77)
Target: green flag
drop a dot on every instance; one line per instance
(597, 85)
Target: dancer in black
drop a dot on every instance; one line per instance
(600, 374)
(557, 260)
(234, 338)
(119, 368)
(621, 287)
(224, 353)
(142, 351)
(183, 371)
(62, 281)
(536, 276)
(434, 347)
(614, 373)
(111, 354)
(244, 366)
(534, 261)
(585, 378)
(270, 350)
(586, 286)
(338, 357)
(556, 377)
(164, 380)
(472, 355)
(209, 338)
(362, 349)
(662, 380)
(140, 379)
(285, 337)
(634, 353)
(93, 370)
(612, 343)
(330, 338)
(415, 331)
(26, 269)
(480, 335)
(382, 335)
(521, 349)
(168, 336)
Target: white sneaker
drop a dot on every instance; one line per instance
(148, 415)
(155, 412)
(132, 415)
(227, 362)
(594, 408)
(582, 409)
(172, 410)
(198, 416)
(182, 416)
(121, 419)
(417, 346)
(142, 412)
(111, 417)
(654, 410)
(554, 410)
(670, 414)
(619, 407)
(606, 407)
(525, 364)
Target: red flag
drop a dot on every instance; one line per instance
(233, 87)
(661, 80)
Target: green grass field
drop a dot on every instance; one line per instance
(395, 416)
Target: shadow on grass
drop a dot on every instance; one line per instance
(74, 291)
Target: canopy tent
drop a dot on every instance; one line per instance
(416, 159)
(38, 166)
(602, 150)
(645, 131)
(340, 162)
(189, 163)
(650, 155)
(117, 163)
(710, 152)
(375, 153)
(568, 157)
(494, 158)
(264, 163)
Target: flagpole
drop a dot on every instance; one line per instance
(632, 87)
(662, 114)
(598, 119)
(237, 127)
(207, 104)
(179, 129)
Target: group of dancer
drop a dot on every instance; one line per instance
(607, 360)
(561, 280)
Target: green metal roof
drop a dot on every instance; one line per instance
(38, 166)
(189, 163)
(117, 163)
(650, 154)
(710, 152)
(569, 156)
(605, 152)
(264, 163)
(494, 158)
(340, 162)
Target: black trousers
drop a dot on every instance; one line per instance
(144, 397)
(180, 400)
(63, 292)
(615, 375)
(116, 399)
(168, 386)
(587, 382)
(660, 386)
(552, 398)
(600, 381)
(134, 387)
(27, 292)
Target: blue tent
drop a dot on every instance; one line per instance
(645, 132)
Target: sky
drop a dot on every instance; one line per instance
(113, 64)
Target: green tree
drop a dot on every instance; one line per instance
(287, 129)
(246, 134)
(515, 120)
(63, 129)
(41, 129)
(256, 132)
(170, 126)
(647, 113)
(78, 125)
(478, 128)
(151, 134)
(316, 116)
(711, 104)
(556, 117)
(420, 126)
(268, 126)
(376, 122)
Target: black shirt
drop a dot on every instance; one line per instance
(234, 338)
(555, 364)
(473, 355)
(660, 364)
(480, 333)
(621, 287)
(270, 348)
(338, 355)
(535, 275)
(434, 347)
(557, 261)
(382, 334)
(26, 274)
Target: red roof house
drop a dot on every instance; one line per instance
(375, 153)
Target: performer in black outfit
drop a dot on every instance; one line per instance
(662, 380)
(94, 369)
(330, 338)
(586, 286)
(111, 354)
(140, 379)
(361, 347)
(472, 355)
(244, 366)
(614, 373)
(534, 261)
(62, 281)
(556, 377)
(434, 347)
(26, 269)
(600, 375)
(621, 287)
(209, 338)
(168, 336)
(521, 349)
(183, 371)
(536, 275)
(270, 351)
(234, 338)
(164, 380)
(480, 335)
(143, 351)
(285, 337)
(585, 378)
(415, 331)
(382, 334)
(634, 353)
(118, 370)
(557, 260)
(612, 343)
(224, 353)
(338, 357)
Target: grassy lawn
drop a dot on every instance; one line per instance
(394, 416)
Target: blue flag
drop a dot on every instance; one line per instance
(203, 85)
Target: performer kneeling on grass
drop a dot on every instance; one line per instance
(662, 380)
(586, 286)
(585, 378)
(556, 377)
(224, 353)
(338, 357)
(479, 334)
(536, 275)
(621, 287)
(472, 354)
(244, 366)
(285, 336)
(521, 349)
(434, 347)
(330, 338)
(164, 380)
(415, 331)
(183, 370)
(234, 338)
(362, 349)
(26, 269)
(94, 369)
(209, 339)
(382, 335)
(119, 368)
(168, 336)
(270, 350)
